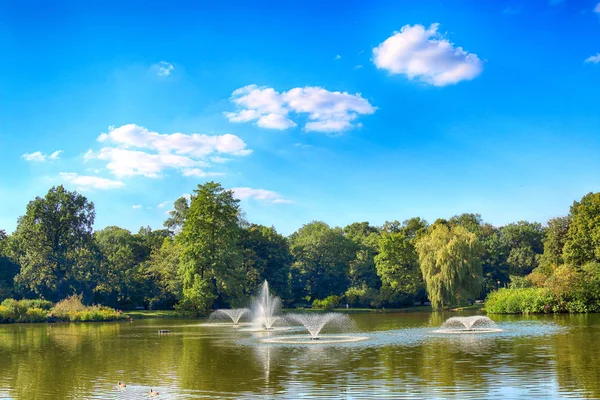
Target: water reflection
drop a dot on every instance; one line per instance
(401, 358)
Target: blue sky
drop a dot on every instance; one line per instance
(335, 111)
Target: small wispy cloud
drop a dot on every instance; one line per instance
(337, 57)
(86, 182)
(38, 156)
(593, 59)
(163, 68)
(359, 66)
(137, 206)
(597, 8)
(164, 203)
(262, 195)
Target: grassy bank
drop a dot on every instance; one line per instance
(145, 314)
(68, 310)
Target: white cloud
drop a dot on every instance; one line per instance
(275, 121)
(593, 59)
(597, 8)
(38, 156)
(137, 206)
(54, 156)
(359, 66)
(262, 195)
(327, 111)
(163, 68)
(84, 182)
(337, 57)
(196, 145)
(199, 173)
(164, 203)
(140, 151)
(427, 55)
(124, 162)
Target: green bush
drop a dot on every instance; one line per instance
(328, 303)
(35, 314)
(12, 310)
(520, 301)
(362, 297)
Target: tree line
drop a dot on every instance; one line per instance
(209, 256)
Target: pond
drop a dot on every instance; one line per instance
(554, 356)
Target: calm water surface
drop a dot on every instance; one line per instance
(536, 357)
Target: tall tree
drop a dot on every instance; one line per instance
(177, 215)
(398, 262)
(162, 269)
(8, 269)
(362, 269)
(583, 237)
(554, 243)
(265, 256)
(524, 241)
(122, 282)
(494, 250)
(54, 244)
(210, 253)
(322, 257)
(450, 260)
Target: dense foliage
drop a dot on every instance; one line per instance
(209, 256)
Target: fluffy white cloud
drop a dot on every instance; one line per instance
(275, 121)
(593, 59)
(199, 173)
(164, 203)
(139, 151)
(327, 111)
(262, 195)
(137, 206)
(38, 156)
(425, 54)
(85, 182)
(196, 145)
(124, 162)
(163, 68)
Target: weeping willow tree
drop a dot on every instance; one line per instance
(450, 260)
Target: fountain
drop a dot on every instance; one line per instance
(265, 309)
(314, 323)
(472, 324)
(234, 314)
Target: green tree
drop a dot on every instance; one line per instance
(583, 237)
(450, 260)
(398, 262)
(494, 251)
(524, 241)
(322, 257)
(554, 243)
(210, 253)
(162, 269)
(177, 215)
(122, 281)
(8, 269)
(54, 245)
(265, 256)
(362, 270)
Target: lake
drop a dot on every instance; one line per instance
(550, 356)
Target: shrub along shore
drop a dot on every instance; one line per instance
(70, 309)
